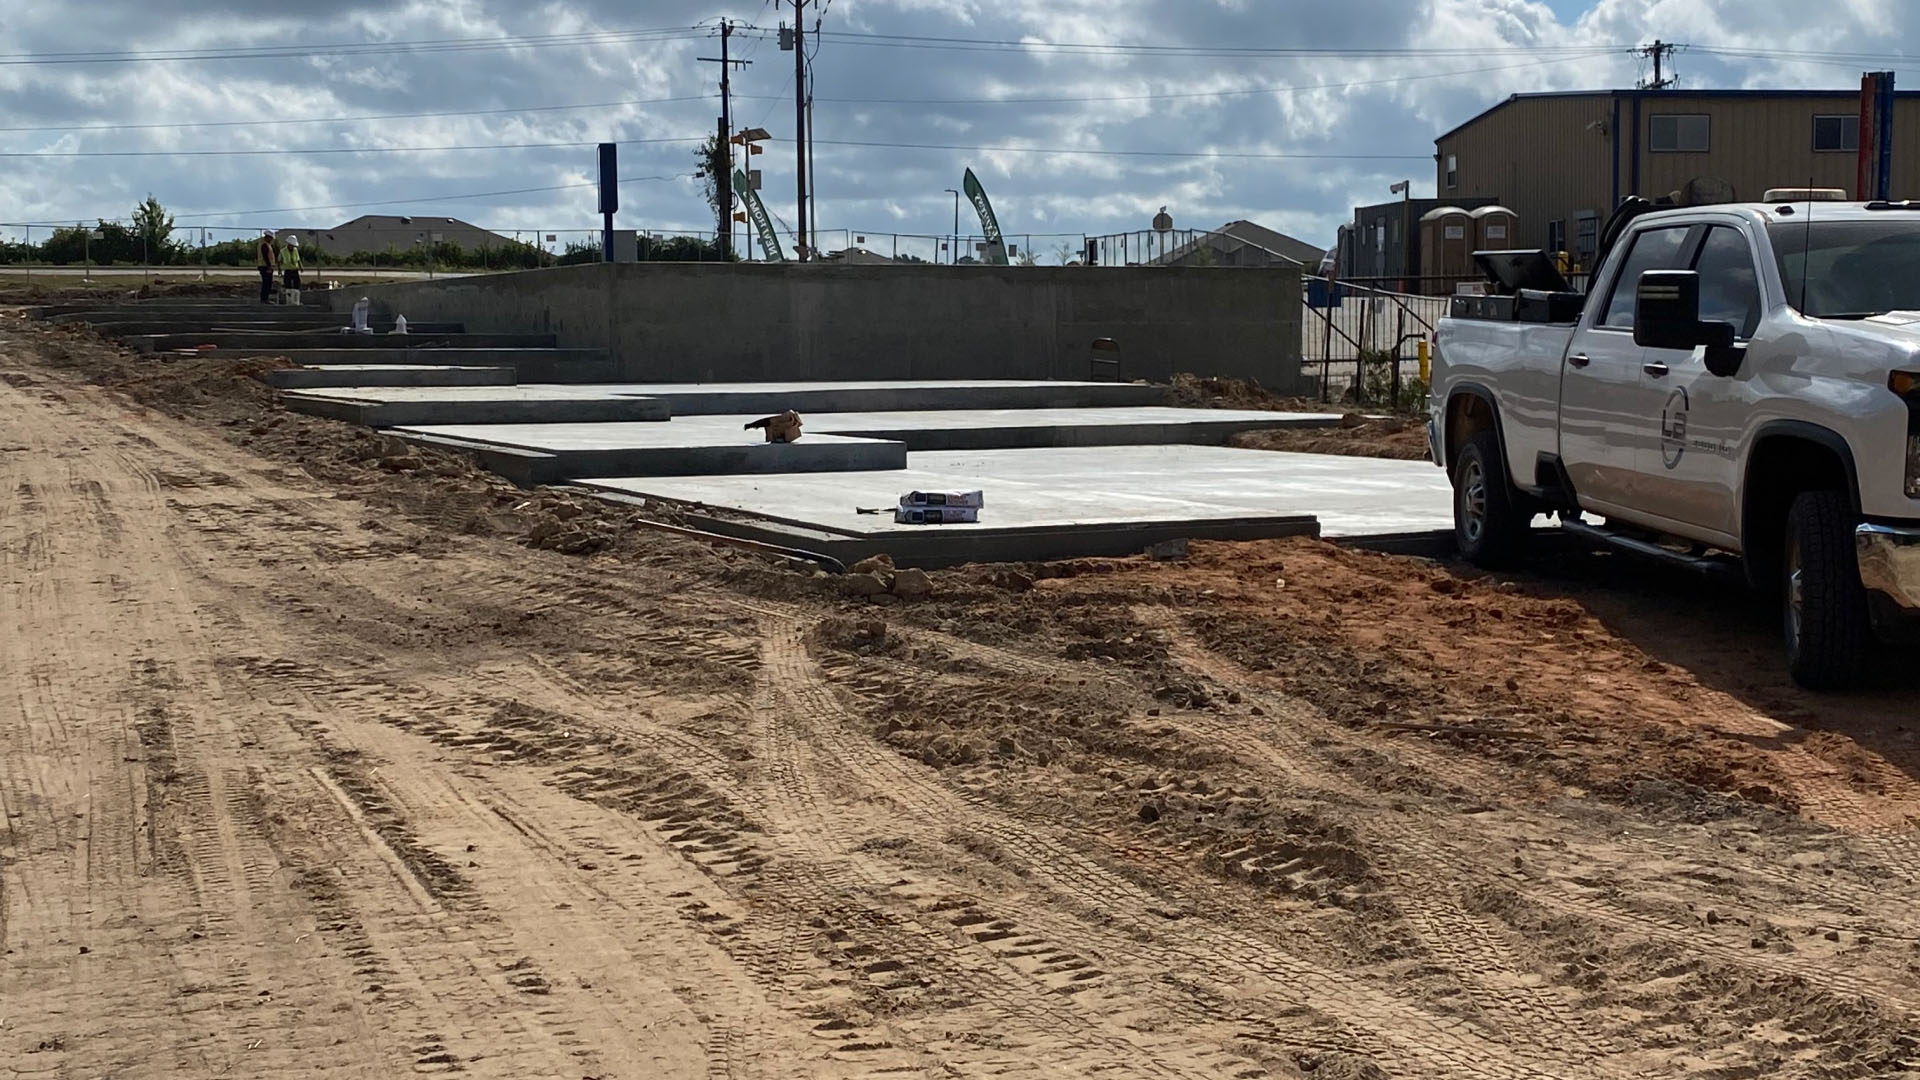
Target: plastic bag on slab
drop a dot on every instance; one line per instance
(399, 324)
(360, 308)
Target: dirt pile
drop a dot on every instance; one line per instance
(1397, 437)
(1207, 392)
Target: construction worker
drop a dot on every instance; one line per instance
(266, 259)
(290, 266)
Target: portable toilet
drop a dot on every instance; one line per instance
(1446, 243)
(1495, 228)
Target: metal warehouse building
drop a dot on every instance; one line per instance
(1561, 161)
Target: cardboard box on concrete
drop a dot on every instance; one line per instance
(971, 499)
(937, 515)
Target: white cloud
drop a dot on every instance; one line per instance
(1330, 105)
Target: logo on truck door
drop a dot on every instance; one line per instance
(1673, 429)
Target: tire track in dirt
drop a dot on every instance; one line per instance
(1431, 869)
(1383, 1027)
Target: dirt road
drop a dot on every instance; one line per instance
(303, 774)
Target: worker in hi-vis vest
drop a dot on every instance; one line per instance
(265, 259)
(290, 265)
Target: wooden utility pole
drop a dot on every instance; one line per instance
(800, 136)
(724, 181)
(1659, 51)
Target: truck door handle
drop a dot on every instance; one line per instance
(1656, 369)
(1579, 360)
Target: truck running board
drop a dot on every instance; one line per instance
(1716, 566)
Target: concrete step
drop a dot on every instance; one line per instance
(566, 366)
(144, 329)
(724, 399)
(282, 340)
(377, 406)
(202, 316)
(385, 375)
(530, 454)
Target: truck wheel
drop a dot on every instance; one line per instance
(1824, 607)
(1488, 524)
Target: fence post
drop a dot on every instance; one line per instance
(29, 254)
(1399, 339)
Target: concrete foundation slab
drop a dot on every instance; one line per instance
(998, 429)
(568, 366)
(483, 405)
(721, 399)
(276, 340)
(544, 453)
(1075, 501)
(198, 325)
(365, 375)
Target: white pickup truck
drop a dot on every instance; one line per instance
(1739, 387)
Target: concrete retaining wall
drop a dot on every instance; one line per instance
(690, 322)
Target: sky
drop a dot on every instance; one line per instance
(1285, 112)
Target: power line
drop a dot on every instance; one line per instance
(351, 119)
(1231, 155)
(364, 48)
(429, 198)
(309, 150)
(1182, 95)
(910, 41)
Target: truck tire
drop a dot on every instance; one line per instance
(1823, 605)
(1488, 523)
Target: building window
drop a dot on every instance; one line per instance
(1453, 170)
(1678, 133)
(1557, 235)
(1836, 134)
(1586, 237)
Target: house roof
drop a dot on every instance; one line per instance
(1279, 243)
(1853, 95)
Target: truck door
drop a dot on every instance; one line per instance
(1689, 464)
(1600, 379)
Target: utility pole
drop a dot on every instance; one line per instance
(799, 42)
(724, 182)
(1659, 51)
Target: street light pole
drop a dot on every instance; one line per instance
(956, 225)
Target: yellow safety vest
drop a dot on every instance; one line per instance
(290, 258)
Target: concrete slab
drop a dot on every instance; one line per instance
(293, 339)
(568, 366)
(710, 399)
(480, 405)
(1066, 502)
(997, 429)
(543, 453)
(202, 326)
(383, 375)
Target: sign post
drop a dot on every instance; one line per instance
(609, 196)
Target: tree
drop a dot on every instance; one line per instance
(153, 224)
(710, 164)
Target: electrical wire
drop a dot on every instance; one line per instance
(353, 119)
(310, 150)
(1230, 155)
(365, 48)
(1183, 95)
(910, 41)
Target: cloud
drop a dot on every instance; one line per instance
(1345, 125)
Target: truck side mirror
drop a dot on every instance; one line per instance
(1666, 313)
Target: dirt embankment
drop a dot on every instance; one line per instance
(1359, 435)
(318, 768)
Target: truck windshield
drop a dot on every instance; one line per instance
(1849, 269)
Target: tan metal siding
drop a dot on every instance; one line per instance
(1550, 157)
(1541, 157)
